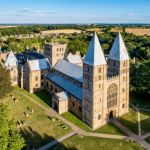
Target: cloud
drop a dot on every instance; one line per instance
(131, 14)
(25, 9)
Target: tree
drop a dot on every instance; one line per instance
(10, 139)
(5, 82)
(140, 78)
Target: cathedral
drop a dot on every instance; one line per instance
(98, 90)
(95, 88)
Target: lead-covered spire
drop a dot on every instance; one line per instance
(118, 50)
(94, 55)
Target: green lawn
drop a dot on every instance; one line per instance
(130, 120)
(93, 143)
(148, 139)
(72, 118)
(42, 97)
(107, 129)
(39, 128)
(145, 121)
(110, 129)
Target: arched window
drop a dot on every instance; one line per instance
(112, 95)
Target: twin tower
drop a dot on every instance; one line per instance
(105, 83)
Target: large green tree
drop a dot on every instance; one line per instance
(10, 139)
(5, 83)
(140, 78)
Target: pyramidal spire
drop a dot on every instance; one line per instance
(94, 55)
(11, 60)
(118, 50)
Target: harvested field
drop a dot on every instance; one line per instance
(65, 31)
(2, 27)
(139, 31)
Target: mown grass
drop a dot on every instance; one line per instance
(106, 129)
(39, 128)
(130, 120)
(145, 121)
(93, 143)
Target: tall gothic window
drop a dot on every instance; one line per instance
(112, 95)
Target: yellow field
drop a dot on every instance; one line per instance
(2, 27)
(66, 31)
(136, 31)
(139, 31)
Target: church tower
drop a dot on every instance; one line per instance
(94, 76)
(118, 65)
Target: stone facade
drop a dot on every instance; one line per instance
(55, 52)
(104, 85)
(10, 62)
(34, 78)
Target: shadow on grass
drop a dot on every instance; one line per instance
(145, 126)
(133, 126)
(45, 96)
(60, 146)
(34, 140)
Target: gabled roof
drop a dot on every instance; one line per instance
(72, 70)
(75, 59)
(62, 95)
(94, 55)
(66, 85)
(118, 50)
(38, 64)
(11, 60)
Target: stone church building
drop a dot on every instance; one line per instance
(95, 89)
(96, 92)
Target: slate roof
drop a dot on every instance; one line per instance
(11, 60)
(62, 95)
(94, 55)
(75, 59)
(118, 50)
(66, 85)
(70, 69)
(38, 64)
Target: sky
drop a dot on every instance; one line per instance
(74, 11)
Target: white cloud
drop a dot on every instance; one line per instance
(131, 14)
(25, 9)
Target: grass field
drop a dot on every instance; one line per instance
(130, 120)
(38, 128)
(145, 121)
(107, 129)
(93, 143)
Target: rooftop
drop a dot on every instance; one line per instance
(72, 70)
(62, 95)
(66, 85)
(11, 60)
(39, 64)
(75, 59)
(94, 55)
(118, 50)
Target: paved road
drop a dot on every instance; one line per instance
(138, 119)
(146, 135)
(133, 136)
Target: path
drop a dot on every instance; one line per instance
(51, 144)
(138, 119)
(78, 130)
(146, 135)
(133, 136)
(75, 128)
